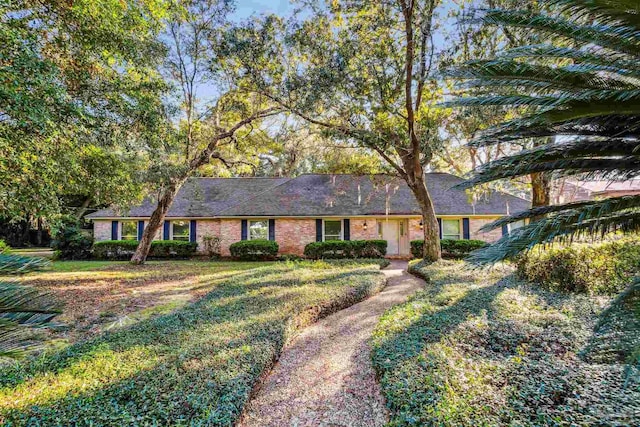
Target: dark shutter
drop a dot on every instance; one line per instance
(346, 233)
(465, 228)
(243, 229)
(114, 230)
(140, 229)
(440, 227)
(166, 230)
(318, 230)
(272, 229)
(505, 229)
(192, 231)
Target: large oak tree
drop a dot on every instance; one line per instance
(364, 72)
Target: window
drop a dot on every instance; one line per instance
(180, 230)
(380, 230)
(333, 230)
(259, 229)
(451, 229)
(129, 230)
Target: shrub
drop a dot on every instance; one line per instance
(70, 243)
(124, 249)
(254, 250)
(450, 248)
(211, 246)
(4, 248)
(338, 249)
(596, 269)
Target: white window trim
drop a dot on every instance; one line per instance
(460, 234)
(121, 228)
(333, 220)
(249, 228)
(188, 228)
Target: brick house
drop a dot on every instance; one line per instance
(309, 208)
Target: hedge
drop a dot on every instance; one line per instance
(450, 248)
(339, 249)
(595, 269)
(254, 250)
(124, 249)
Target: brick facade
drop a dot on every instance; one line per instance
(293, 234)
(101, 230)
(359, 233)
(474, 230)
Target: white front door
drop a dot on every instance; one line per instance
(391, 235)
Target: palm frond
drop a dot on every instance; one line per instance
(22, 308)
(610, 12)
(584, 82)
(555, 229)
(617, 38)
(587, 209)
(601, 60)
(616, 168)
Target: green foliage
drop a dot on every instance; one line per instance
(479, 348)
(79, 89)
(606, 268)
(211, 246)
(4, 247)
(124, 249)
(22, 308)
(254, 250)
(70, 242)
(195, 366)
(450, 248)
(617, 334)
(583, 81)
(336, 249)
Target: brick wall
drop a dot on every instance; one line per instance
(207, 227)
(415, 232)
(230, 230)
(101, 230)
(359, 233)
(292, 235)
(476, 223)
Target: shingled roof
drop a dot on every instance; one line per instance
(320, 195)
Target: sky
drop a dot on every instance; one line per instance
(246, 8)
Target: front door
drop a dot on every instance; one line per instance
(390, 233)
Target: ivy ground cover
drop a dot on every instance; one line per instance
(480, 348)
(193, 365)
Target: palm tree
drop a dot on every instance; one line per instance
(22, 308)
(582, 87)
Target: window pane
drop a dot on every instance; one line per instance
(450, 229)
(333, 230)
(180, 230)
(129, 230)
(258, 230)
(516, 225)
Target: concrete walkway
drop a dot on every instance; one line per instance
(324, 377)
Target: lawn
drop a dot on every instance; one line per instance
(101, 295)
(193, 365)
(480, 348)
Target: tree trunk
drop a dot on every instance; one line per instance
(82, 208)
(156, 220)
(39, 233)
(431, 248)
(540, 191)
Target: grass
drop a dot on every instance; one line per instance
(192, 364)
(480, 348)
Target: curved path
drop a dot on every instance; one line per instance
(324, 377)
